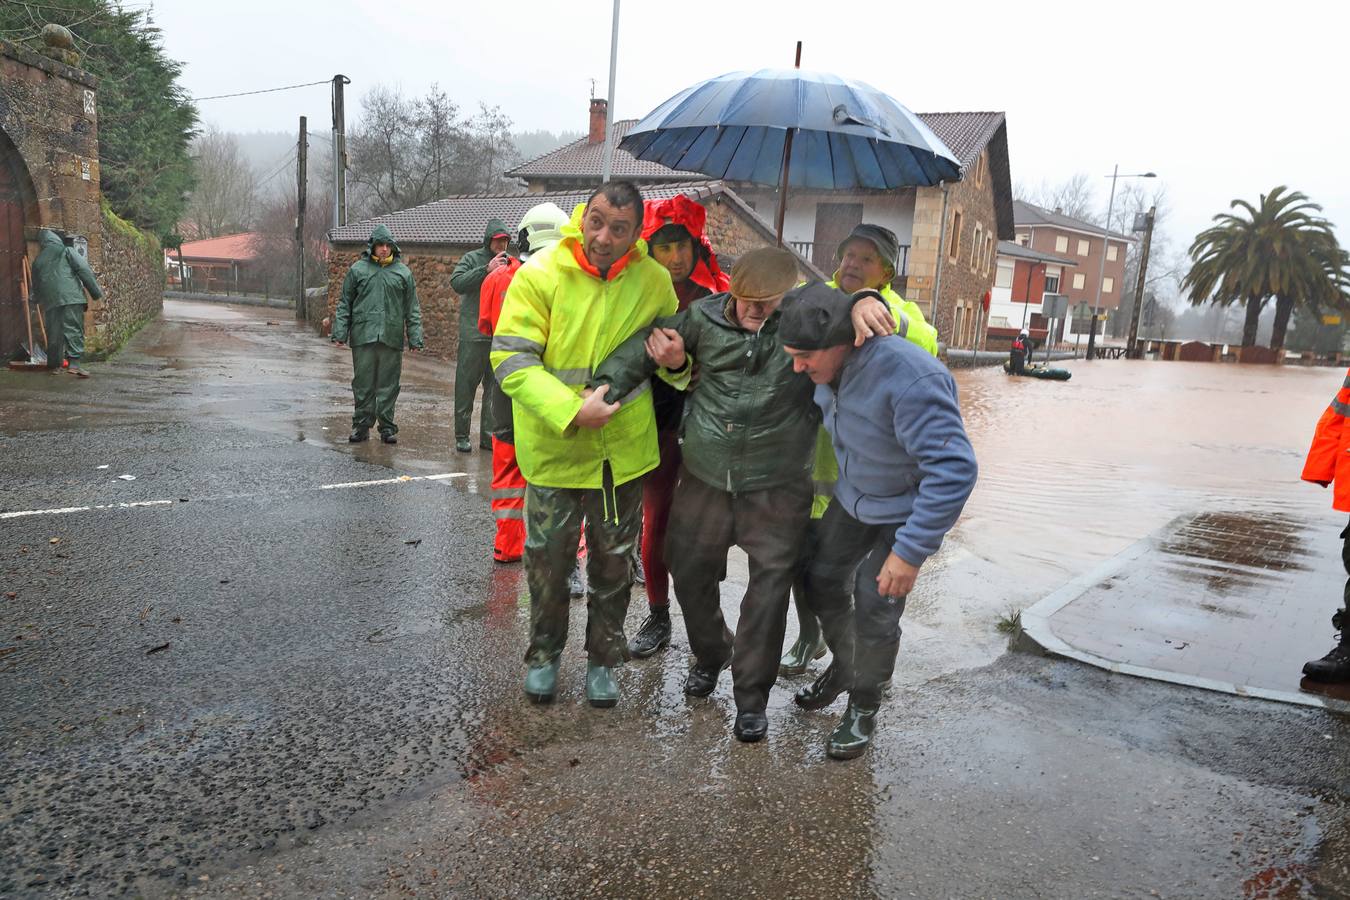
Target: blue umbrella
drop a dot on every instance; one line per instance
(838, 134)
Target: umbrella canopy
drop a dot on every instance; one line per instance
(846, 134)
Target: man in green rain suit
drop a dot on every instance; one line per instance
(379, 303)
(472, 366)
(60, 278)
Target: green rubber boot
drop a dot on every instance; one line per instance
(601, 688)
(541, 682)
(854, 731)
(810, 642)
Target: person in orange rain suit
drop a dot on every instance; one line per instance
(1328, 463)
(540, 227)
(673, 230)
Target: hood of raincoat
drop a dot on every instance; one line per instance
(494, 227)
(680, 210)
(382, 235)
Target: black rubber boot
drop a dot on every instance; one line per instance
(358, 435)
(653, 635)
(823, 691)
(1334, 668)
(854, 731)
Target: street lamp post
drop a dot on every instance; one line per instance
(1106, 240)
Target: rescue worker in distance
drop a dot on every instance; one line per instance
(377, 308)
(472, 366)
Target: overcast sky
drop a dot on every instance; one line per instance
(1222, 100)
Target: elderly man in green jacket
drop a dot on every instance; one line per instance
(472, 365)
(60, 278)
(748, 438)
(378, 305)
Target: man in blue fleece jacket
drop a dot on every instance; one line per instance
(906, 468)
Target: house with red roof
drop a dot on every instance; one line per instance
(220, 265)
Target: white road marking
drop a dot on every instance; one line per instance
(138, 504)
(75, 509)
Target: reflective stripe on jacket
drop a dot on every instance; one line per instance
(560, 319)
(1328, 461)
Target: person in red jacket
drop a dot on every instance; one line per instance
(1328, 463)
(540, 227)
(674, 232)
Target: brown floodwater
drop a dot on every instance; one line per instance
(1073, 472)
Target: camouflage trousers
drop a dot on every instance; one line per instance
(769, 526)
(553, 523)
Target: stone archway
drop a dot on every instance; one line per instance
(15, 191)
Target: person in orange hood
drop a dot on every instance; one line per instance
(1328, 463)
(674, 232)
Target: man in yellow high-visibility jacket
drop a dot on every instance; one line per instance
(582, 452)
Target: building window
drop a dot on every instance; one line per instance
(1108, 284)
(1082, 247)
(1052, 280)
(988, 252)
(1112, 252)
(976, 247)
(1079, 281)
(1003, 276)
(1062, 244)
(954, 246)
(1024, 239)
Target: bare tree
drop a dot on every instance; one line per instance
(440, 136)
(274, 240)
(407, 152)
(225, 197)
(1073, 197)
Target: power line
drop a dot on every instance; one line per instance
(289, 87)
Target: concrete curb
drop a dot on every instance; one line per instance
(1036, 627)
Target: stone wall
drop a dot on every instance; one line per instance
(431, 267)
(48, 116)
(132, 278)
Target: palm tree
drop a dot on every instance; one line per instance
(1281, 248)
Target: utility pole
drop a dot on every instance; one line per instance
(1133, 352)
(339, 152)
(301, 160)
(608, 164)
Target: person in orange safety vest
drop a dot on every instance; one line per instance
(540, 227)
(1328, 463)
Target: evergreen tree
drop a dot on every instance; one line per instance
(146, 120)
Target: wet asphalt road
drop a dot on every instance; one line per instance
(337, 709)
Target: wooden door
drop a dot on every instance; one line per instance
(833, 223)
(13, 330)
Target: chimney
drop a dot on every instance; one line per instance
(598, 108)
(1059, 210)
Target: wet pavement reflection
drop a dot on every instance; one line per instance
(338, 709)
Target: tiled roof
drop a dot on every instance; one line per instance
(227, 247)
(583, 159)
(461, 219)
(1016, 250)
(1030, 214)
(965, 133)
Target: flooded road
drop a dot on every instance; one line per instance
(273, 685)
